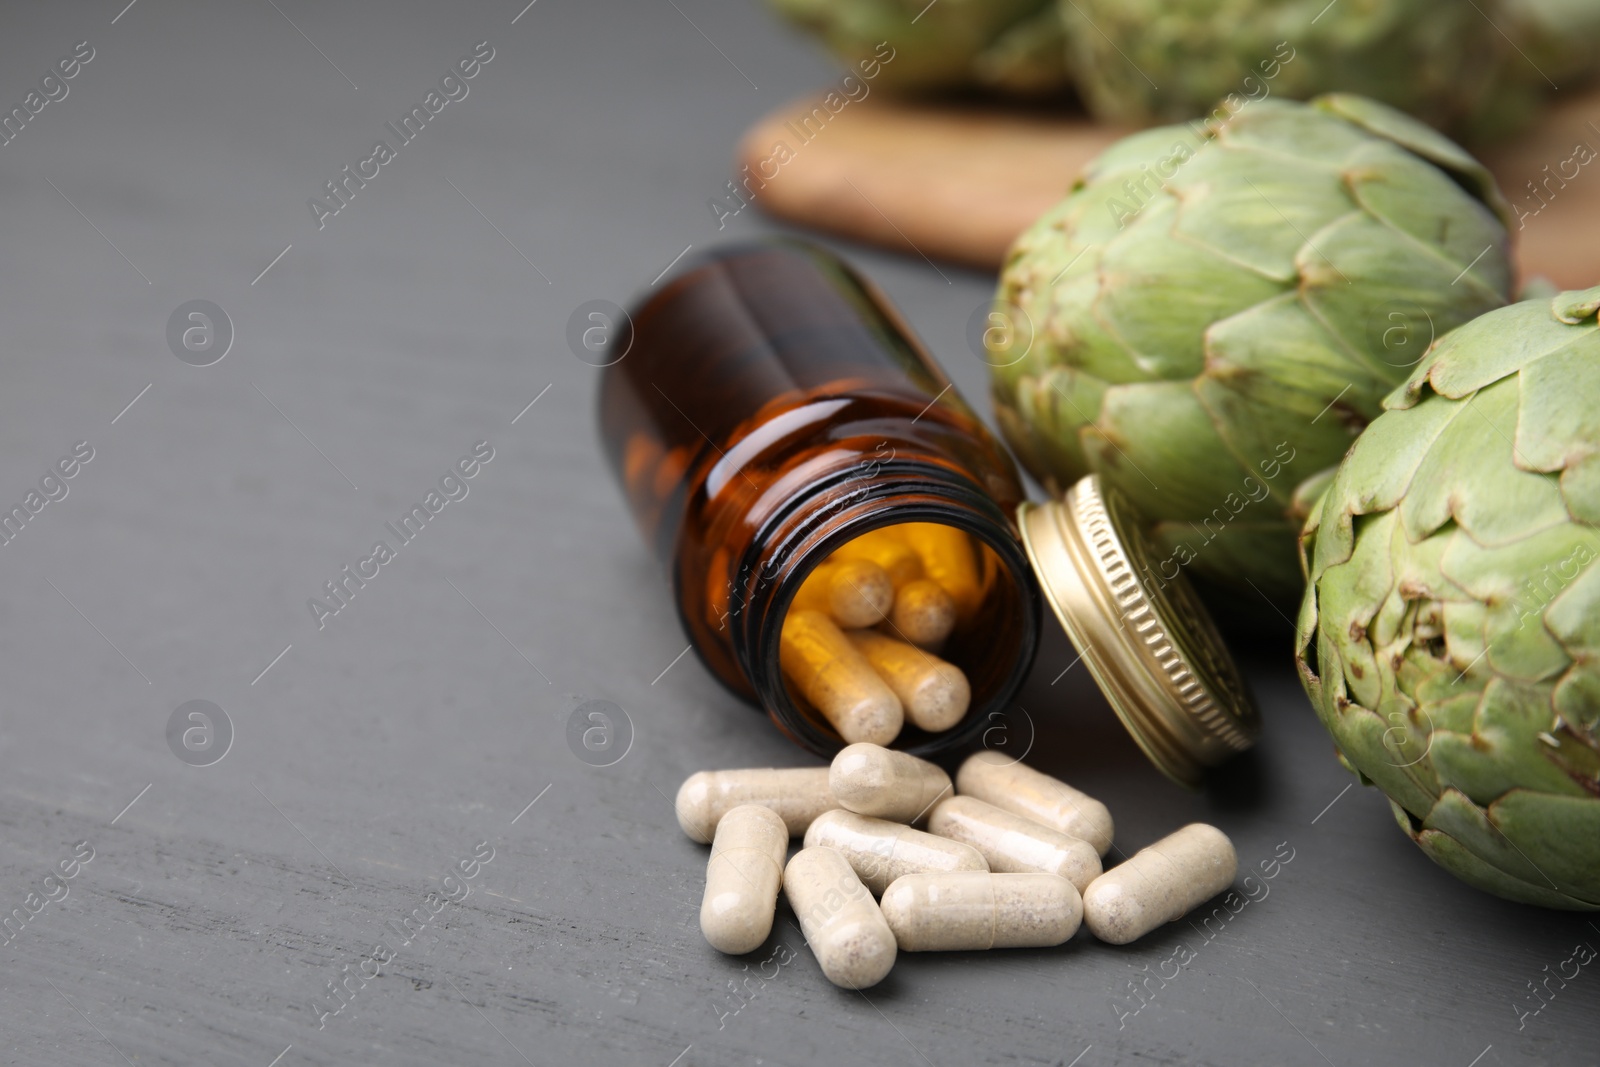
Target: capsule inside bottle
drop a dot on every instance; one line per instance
(920, 602)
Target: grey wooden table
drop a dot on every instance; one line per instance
(423, 728)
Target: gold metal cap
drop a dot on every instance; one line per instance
(1148, 641)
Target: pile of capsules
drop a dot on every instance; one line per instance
(1010, 859)
(913, 582)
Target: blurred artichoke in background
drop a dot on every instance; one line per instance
(1561, 39)
(1016, 47)
(1557, 46)
(1214, 313)
(1145, 61)
(1477, 70)
(1450, 635)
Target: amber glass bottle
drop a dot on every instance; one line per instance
(764, 408)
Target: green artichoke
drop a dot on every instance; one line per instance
(1144, 61)
(1450, 633)
(1014, 47)
(1214, 313)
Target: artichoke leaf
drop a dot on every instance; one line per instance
(1558, 417)
(1515, 583)
(1504, 843)
(1580, 488)
(1156, 427)
(1576, 306)
(1449, 482)
(1352, 592)
(1059, 405)
(1577, 695)
(1283, 129)
(1412, 197)
(1450, 854)
(1158, 296)
(1453, 715)
(1386, 754)
(1421, 139)
(1547, 826)
(1501, 752)
(1461, 364)
(1357, 275)
(1253, 208)
(1574, 580)
(1275, 377)
(1146, 148)
(1074, 333)
(1379, 470)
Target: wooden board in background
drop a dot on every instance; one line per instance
(959, 184)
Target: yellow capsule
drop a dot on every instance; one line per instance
(888, 550)
(976, 910)
(1012, 844)
(1021, 790)
(948, 558)
(839, 919)
(796, 794)
(934, 694)
(838, 681)
(881, 851)
(883, 783)
(1160, 884)
(742, 879)
(813, 592)
(854, 592)
(924, 613)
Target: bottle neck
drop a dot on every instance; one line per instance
(839, 509)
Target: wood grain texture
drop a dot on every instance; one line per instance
(960, 183)
(381, 749)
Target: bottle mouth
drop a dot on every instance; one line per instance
(994, 647)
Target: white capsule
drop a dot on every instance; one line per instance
(877, 781)
(882, 851)
(743, 876)
(974, 910)
(797, 794)
(1021, 790)
(839, 919)
(1160, 883)
(1012, 844)
(923, 613)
